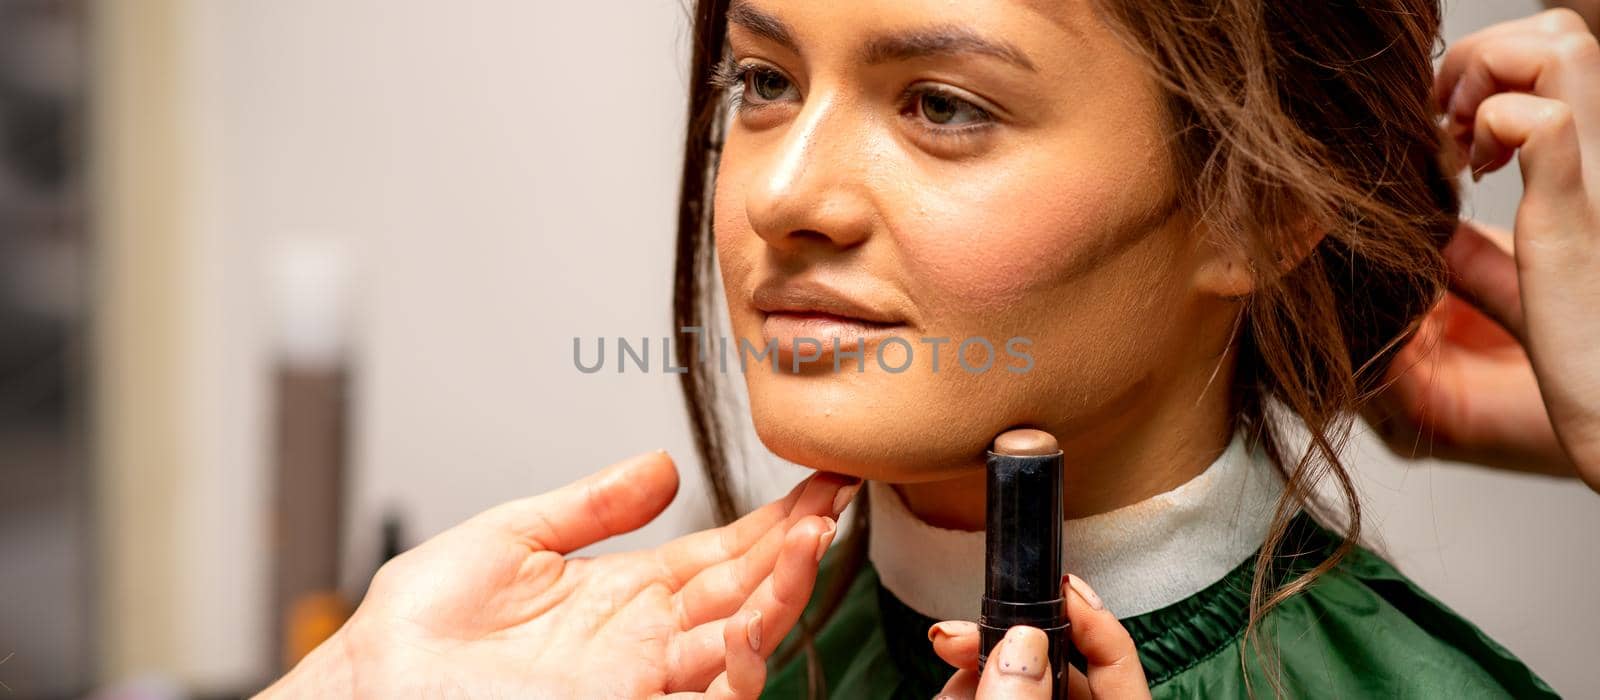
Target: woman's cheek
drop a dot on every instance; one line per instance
(734, 240)
(990, 264)
(992, 239)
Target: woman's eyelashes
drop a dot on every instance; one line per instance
(944, 108)
(937, 112)
(750, 86)
(940, 114)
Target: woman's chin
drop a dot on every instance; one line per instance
(882, 449)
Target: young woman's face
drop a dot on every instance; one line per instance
(918, 173)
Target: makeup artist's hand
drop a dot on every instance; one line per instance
(1019, 668)
(1506, 371)
(494, 608)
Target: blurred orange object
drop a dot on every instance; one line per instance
(312, 619)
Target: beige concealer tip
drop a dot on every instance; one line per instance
(1025, 441)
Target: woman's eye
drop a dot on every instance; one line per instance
(949, 110)
(767, 85)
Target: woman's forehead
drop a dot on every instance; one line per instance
(994, 20)
(1052, 38)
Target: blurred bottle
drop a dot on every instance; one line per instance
(312, 376)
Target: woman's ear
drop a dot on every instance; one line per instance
(1228, 270)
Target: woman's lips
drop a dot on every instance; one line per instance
(812, 335)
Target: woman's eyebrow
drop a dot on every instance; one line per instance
(942, 40)
(938, 40)
(759, 22)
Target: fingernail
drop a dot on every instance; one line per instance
(1023, 652)
(752, 631)
(843, 497)
(1084, 590)
(826, 539)
(939, 628)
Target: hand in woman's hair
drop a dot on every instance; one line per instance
(1018, 668)
(494, 607)
(1522, 391)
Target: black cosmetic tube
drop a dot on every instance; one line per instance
(1023, 547)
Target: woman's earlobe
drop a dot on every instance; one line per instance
(1226, 275)
(1231, 273)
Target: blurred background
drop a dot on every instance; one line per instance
(287, 286)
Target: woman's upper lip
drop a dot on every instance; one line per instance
(797, 296)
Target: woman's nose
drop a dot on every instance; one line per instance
(811, 190)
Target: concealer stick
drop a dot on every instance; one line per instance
(1022, 546)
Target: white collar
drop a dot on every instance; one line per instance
(1139, 558)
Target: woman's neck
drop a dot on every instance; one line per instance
(1146, 447)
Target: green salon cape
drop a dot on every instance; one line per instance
(1359, 631)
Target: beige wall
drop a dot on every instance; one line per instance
(502, 173)
(177, 429)
(141, 253)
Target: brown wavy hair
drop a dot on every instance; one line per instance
(1307, 139)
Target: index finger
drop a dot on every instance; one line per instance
(618, 499)
(1108, 651)
(1515, 69)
